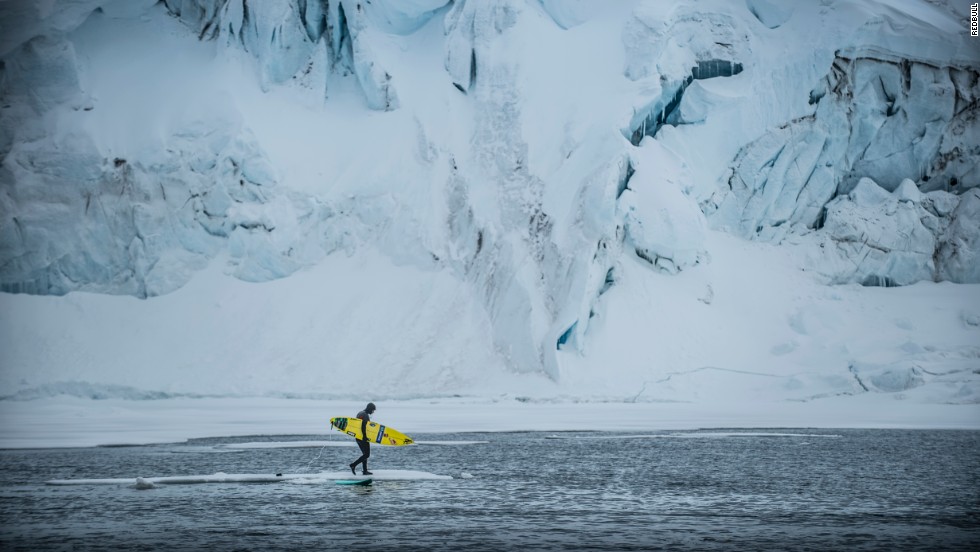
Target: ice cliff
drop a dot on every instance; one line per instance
(529, 148)
(880, 120)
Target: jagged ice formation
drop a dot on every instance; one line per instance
(437, 137)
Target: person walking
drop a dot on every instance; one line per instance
(363, 443)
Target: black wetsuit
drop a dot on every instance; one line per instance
(364, 445)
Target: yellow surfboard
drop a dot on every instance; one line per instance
(376, 433)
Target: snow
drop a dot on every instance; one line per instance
(795, 339)
(403, 202)
(74, 422)
(345, 348)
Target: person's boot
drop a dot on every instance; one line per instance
(366, 472)
(352, 468)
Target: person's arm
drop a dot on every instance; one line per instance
(364, 422)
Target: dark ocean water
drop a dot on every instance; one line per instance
(706, 490)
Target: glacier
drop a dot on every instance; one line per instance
(633, 201)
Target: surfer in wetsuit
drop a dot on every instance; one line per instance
(364, 444)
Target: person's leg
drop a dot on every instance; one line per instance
(365, 452)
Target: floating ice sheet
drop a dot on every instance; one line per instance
(318, 444)
(705, 435)
(220, 477)
(285, 444)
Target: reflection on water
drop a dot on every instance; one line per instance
(854, 489)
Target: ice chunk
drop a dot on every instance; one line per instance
(460, 58)
(273, 32)
(570, 13)
(669, 40)
(908, 191)
(664, 225)
(781, 179)
(881, 118)
(868, 193)
(42, 72)
(143, 484)
(401, 16)
(147, 226)
(373, 76)
(959, 255)
(22, 21)
(888, 378)
(878, 240)
(771, 13)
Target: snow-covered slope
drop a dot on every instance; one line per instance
(629, 200)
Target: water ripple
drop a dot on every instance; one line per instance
(859, 489)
